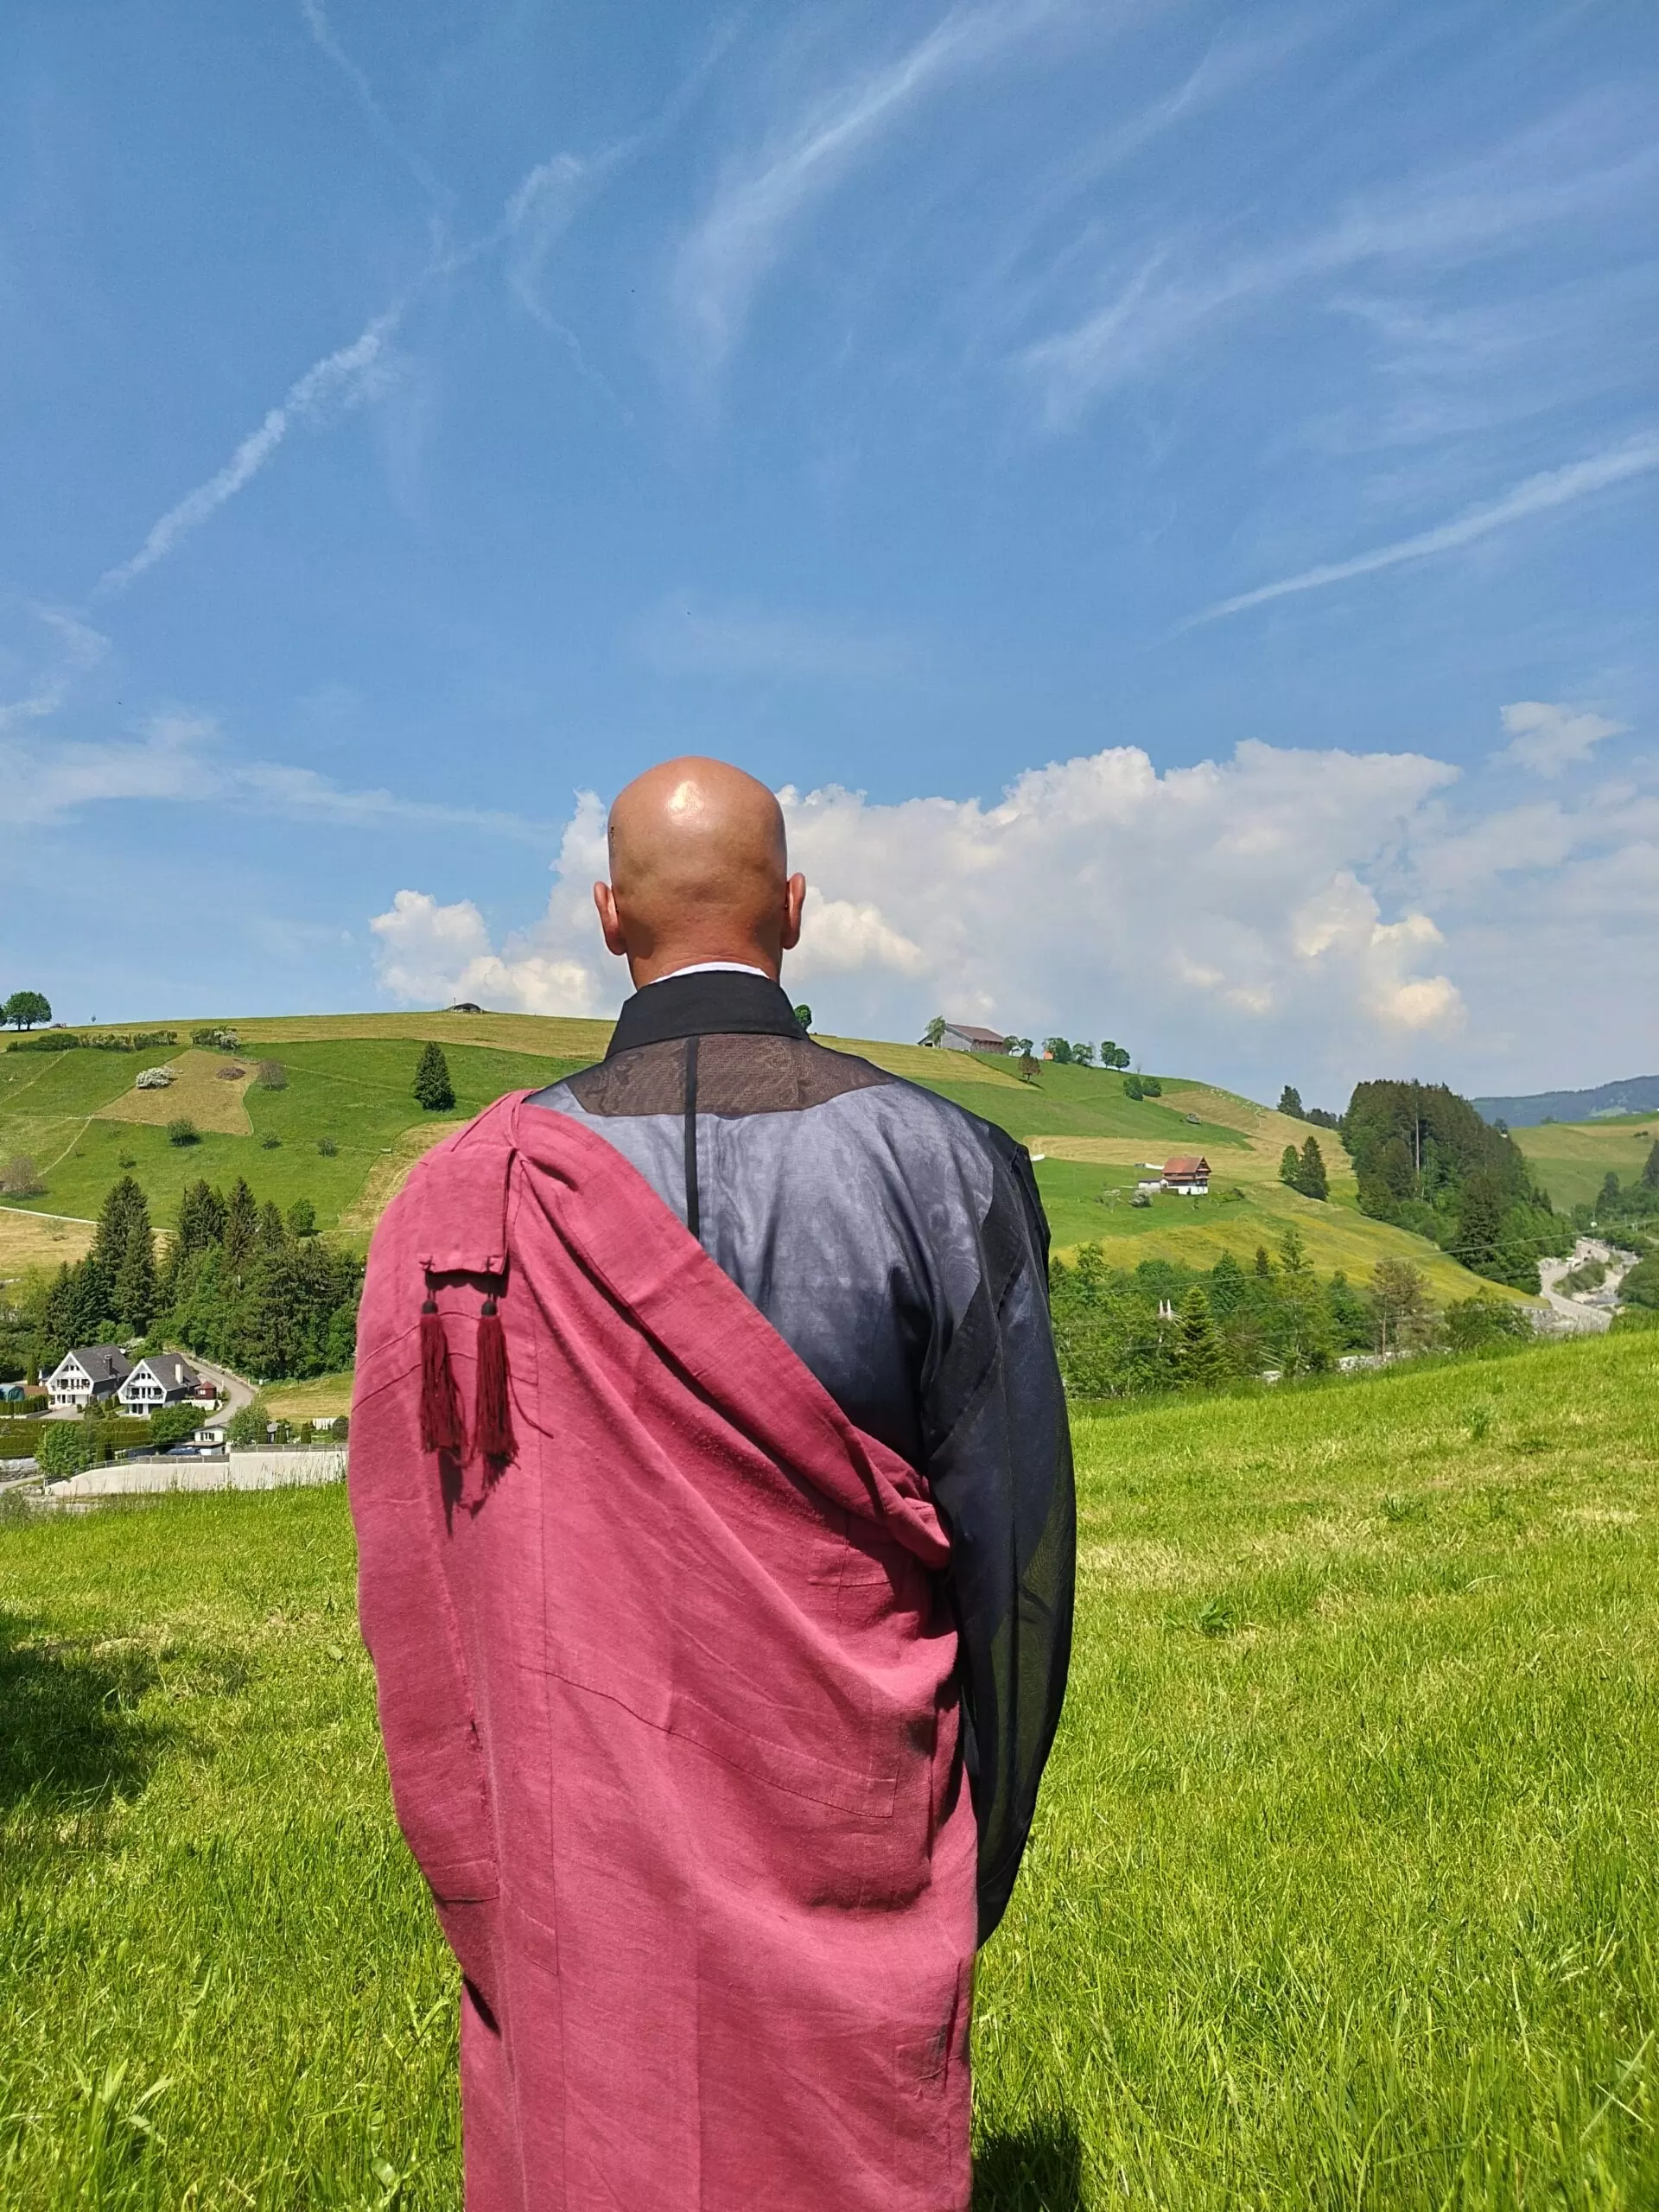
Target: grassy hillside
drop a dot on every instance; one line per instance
(1571, 1159)
(1342, 1891)
(78, 1117)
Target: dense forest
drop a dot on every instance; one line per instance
(1425, 1160)
(240, 1283)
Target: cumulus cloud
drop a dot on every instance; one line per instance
(1550, 738)
(430, 955)
(1218, 910)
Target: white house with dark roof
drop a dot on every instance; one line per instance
(89, 1372)
(160, 1379)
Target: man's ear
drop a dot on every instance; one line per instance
(794, 898)
(610, 921)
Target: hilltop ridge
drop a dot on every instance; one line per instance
(344, 1128)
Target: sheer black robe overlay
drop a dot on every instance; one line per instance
(898, 1245)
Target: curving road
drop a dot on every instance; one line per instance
(1588, 1312)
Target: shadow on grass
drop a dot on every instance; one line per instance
(73, 1735)
(1039, 2169)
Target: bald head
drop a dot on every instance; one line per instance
(698, 871)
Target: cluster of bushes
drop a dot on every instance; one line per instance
(1163, 1326)
(241, 1283)
(1142, 1086)
(70, 1040)
(217, 1039)
(254, 1425)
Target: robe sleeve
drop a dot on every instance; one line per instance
(999, 1467)
(407, 1612)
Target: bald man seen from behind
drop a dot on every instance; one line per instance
(714, 1501)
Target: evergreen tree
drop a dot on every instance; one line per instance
(135, 1282)
(1313, 1183)
(241, 1224)
(1480, 1222)
(1290, 1102)
(1292, 1252)
(1263, 1264)
(1228, 1288)
(273, 1230)
(1650, 1171)
(124, 1214)
(433, 1088)
(1290, 1168)
(1198, 1350)
(1609, 1190)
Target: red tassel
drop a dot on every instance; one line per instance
(493, 1414)
(441, 1428)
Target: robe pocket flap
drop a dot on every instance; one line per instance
(866, 1796)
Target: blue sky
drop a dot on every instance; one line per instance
(1169, 490)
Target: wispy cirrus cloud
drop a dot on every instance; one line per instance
(743, 231)
(80, 649)
(538, 212)
(1552, 488)
(682, 639)
(341, 379)
(181, 758)
(322, 32)
(1549, 739)
(1167, 295)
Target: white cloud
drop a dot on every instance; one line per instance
(742, 233)
(79, 650)
(1553, 487)
(180, 759)
(1549, 739)
(351, 374)
(1218, 910)
(321, 30)
(1166, 298)
(430, 955)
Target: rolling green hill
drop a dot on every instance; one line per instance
(1571, 1159)
(346, 1130)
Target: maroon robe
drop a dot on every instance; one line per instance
(669, 1711)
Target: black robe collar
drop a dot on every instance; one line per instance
(721, 1002)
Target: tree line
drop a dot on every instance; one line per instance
(1122, 1331)
(239, 1283)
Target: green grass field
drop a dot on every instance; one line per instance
(1571, 1159)
(349, 1078)
(1344, 1891)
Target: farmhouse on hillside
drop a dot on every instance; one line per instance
(161, 1379)
(963, 1037)
(1188, 1176)
(89, 1372)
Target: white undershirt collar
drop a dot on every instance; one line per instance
(713, 968)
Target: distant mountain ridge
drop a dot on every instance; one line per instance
(1636, 1093)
